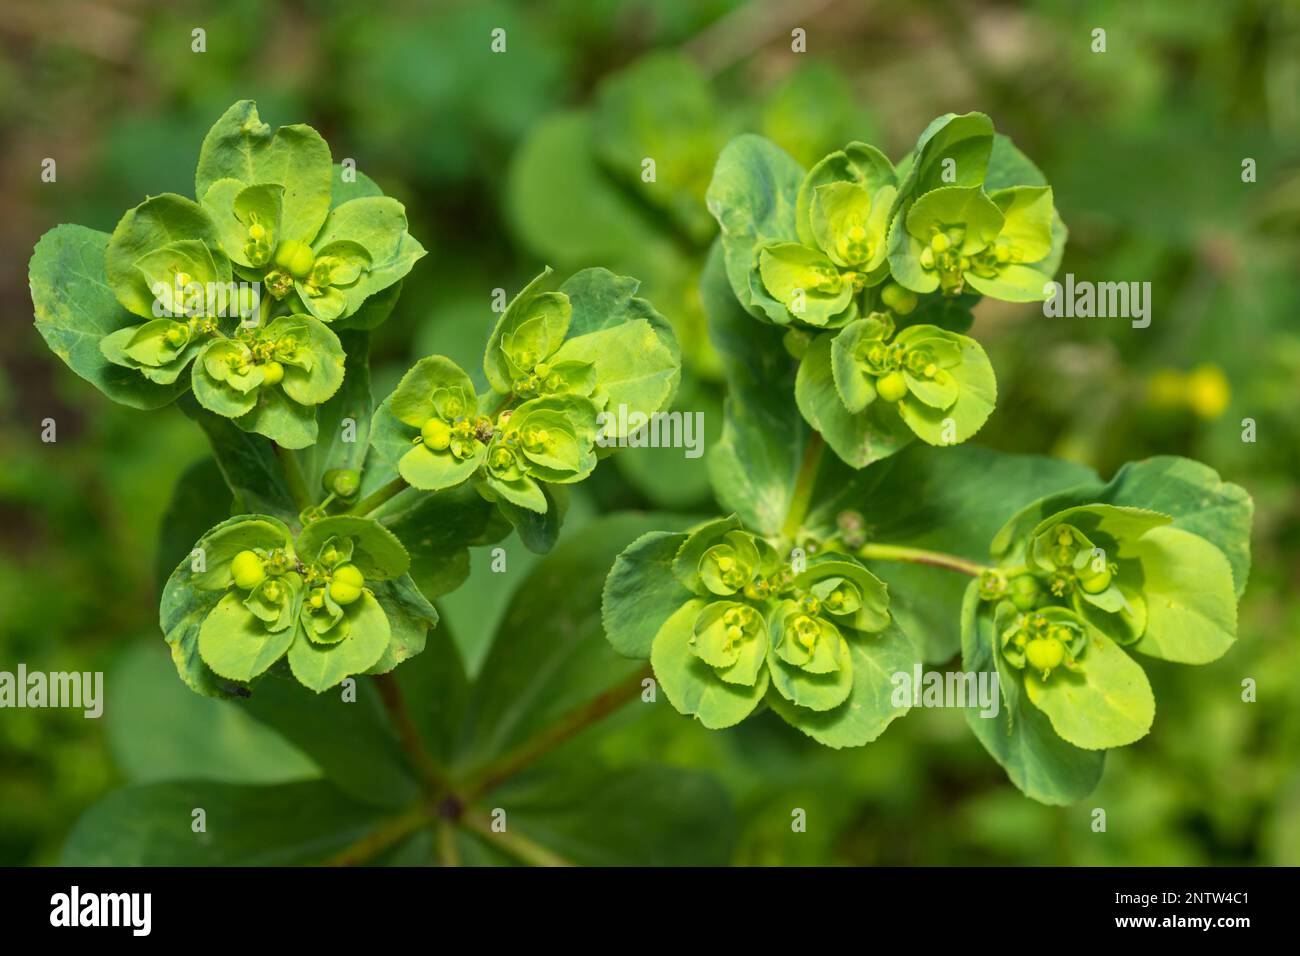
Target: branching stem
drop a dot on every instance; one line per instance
(431, 773)
(386, 836)
(517, 845)
(565, 728)
(935, 559)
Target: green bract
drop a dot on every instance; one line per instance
(727, 624)
(270, 378)
(333, 602)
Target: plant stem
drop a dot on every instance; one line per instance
(448, 852)
(935, 559)
(374, 500)
(803, 487)
(576, 720)
(515, 844)
(377, 841)
(294, 478)
(431, 774)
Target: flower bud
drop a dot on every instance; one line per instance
(344, 482)
(993, 584)
(1025, 592)
(901, 301)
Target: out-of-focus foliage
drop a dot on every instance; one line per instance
(507, 161)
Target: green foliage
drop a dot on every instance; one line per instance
(838, 294)
(346, 761)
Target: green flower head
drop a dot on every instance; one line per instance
(269, 379)
(957, 236)
(842, 221)
(436, 401)
(314, 601)
(184, 287)
(1041, 641)
(320, 248)
(521, 354)
(731, 638)
(754, 622)
(939, 383)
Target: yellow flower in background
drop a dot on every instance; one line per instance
(1204, 390)
(1208, 391)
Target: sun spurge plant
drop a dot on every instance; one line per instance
(256, 298)
(853, 282)
(839, 299)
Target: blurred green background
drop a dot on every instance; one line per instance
(510, 161)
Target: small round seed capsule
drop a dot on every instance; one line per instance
(345, 586)
(295, 257)
(272, 373)
(891, 387)
(1097, 583)
(246, 568)
(344, 482)
(940, 242)
(1044, 653)
(436, 434)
